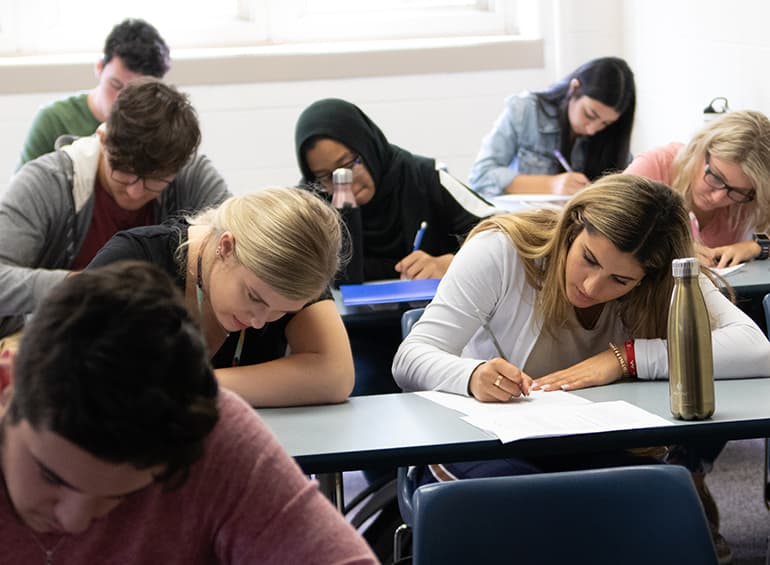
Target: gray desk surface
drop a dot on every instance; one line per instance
(754, 277)
(405, 429)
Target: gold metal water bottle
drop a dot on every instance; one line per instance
(690, 359)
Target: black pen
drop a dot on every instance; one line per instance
(485, 325)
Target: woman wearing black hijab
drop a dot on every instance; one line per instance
(395, 190)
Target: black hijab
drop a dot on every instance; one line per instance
(402, 181)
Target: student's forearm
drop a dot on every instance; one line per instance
(530, 184)
(297, 379)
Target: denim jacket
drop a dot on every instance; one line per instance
(522, 141)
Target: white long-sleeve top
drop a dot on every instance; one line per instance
(486, 281)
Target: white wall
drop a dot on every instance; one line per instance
(686, 52)
(683, 52)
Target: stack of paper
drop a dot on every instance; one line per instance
(542, 414)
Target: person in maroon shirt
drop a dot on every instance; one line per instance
(140, 168)
(116, 445)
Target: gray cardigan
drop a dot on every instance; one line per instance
(46, 212)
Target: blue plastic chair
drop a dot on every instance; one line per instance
(408, 319)
(405, 485)
(383, 489)
(631, 515)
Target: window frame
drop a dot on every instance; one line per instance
(257, 23)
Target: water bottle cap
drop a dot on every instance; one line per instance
(687, 267)
(342, 176)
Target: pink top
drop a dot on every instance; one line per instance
(657, 164)
(246, 501)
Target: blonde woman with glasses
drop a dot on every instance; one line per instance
(723, 173)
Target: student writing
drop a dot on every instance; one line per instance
(723, 173)
(587, 117)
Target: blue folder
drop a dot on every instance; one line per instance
(387, 292)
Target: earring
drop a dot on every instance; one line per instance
(219, 251)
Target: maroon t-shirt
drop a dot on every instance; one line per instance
(107, 220)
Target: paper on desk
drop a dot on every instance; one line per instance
(546, 414)
(566, 420)
(724, 271)
(538, 399)
(517, 202)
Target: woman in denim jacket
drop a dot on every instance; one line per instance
(586, 118)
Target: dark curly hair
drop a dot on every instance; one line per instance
(114, 362)
(139, 46)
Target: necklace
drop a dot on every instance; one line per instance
(200, 295)
(48, 553)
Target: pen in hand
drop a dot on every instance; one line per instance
(695, 227)
(419, 235)
(562, 160)
(485, 325)
(498, 348)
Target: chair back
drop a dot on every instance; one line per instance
(630, 515)
(64, 140)
(408, 319)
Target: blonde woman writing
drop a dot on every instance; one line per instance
(256, 270)
(723, 173)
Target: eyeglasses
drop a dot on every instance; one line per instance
(151, 184)
(326, 180)
(737, 195)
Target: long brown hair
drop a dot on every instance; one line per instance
(637, 215)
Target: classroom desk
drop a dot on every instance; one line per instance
(752, 278)
(405, 429)
(750, 283)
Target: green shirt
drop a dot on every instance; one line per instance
(68, 115)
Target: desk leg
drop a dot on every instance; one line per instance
(330, 485)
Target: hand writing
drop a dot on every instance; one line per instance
(420, 265)
(568, 183)
(498, 381)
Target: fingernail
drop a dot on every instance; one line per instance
(565, 387)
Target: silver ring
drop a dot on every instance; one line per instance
(498, 380)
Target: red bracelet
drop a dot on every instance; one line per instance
(631, 357)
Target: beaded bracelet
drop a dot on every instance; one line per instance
(623, 365)
(631, 356)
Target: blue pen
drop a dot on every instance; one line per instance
(419, 235)
(562, 160)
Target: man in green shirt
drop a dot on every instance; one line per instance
(133, 48)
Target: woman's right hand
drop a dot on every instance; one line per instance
(498, 381)
(568, 183)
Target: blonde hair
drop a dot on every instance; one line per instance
(742, 138)
(637, 215)
(288, 237)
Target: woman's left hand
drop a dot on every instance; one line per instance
(740, 252)
(420, 265)
(598, 370)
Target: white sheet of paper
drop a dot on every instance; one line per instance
(543, 421)
(535, 401)
(517, 202)
(724, 271)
